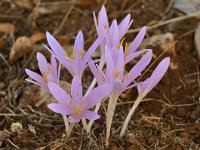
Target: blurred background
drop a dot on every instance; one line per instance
(167, 119)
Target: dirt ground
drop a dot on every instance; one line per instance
(169, 117)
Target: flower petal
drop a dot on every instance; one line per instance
(55, 46)
(76, 89)
(139, 67)
(60, 95)
(137, 41)
(156, 76)
(59, 108)
(42, 62)
(92, 48)
(110, 67)
(38, 78)
(134, 55)
(96, 95)
(79, 42)
(90, 115)
(54, 68)
(124, 25)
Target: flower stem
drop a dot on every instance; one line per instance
(110, 113)
(70, 129)
(66, 124)
(88, 127)
(135, 105)
(92, 121)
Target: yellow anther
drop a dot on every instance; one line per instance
(83, 101)
(77, 111)
(105, 26)
(122, 79)
(44, 77)
(73, 57)
(128, 74)
(116, 73)
(126, 48)
(70, 103)
(121, 42)
(73, 48)
(81, 52)
(48, 70)
(66, 54)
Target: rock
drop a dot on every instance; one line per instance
(22, 45)
(7, 28)
(197, 39)
(37, 37)
(164, 41)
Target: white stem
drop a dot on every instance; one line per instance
(70, 129)
(135, 105)
(109, 116)
(92, 121)
(86, 127)
(66, 124)
(84, 123)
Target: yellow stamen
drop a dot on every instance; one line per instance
(73, 57)
(48, 70)
(70, 103)
(128, 74)
(77, 111)
(122, 79)
(73, 48)
(66, 54)
(116, 73)
(121, 42)
(126, 49)
(44, 77)
(81, 52)
(105, 26)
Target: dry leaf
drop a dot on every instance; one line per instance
(26, 4)
(37, 37)
(3, 43)
(7, 28)
(164, 41)
(21, 46)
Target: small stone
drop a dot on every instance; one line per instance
(21, 46)
(16, 127)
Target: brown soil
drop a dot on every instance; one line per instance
(169, 117)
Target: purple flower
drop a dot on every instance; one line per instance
(49, 72)
(156, 76)
(77, 106)
(76, 63)
(114, 32)
(115, 73)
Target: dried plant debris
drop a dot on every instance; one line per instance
(187, 6)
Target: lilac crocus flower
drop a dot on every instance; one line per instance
(144, 89)
(155, 77)
(49, 72)
(115, 75)
(114, 32)
(77, 106)
(76, 63)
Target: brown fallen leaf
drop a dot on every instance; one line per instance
(22, 45)
(3, 43)
(25, 4)
(164, 41)
(7, 28)
(37, 37)
(197, 39)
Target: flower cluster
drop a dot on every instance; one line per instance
(111, 75)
